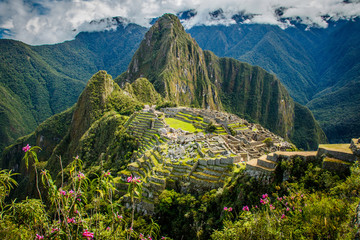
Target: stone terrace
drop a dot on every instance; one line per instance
(189, 160)
(193, 161)
(145, 126)
(335, 157)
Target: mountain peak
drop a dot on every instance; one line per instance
(91, 102)
(166, 27)
(174, 63)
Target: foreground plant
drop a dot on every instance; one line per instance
(77, 208)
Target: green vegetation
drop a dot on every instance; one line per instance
(85, 206)
(178, 124)
(142, 90)
(166, 46)
(210, 128)
(246, 90)
(306, 133)
(30, 90)
(166, 104)
(313, 203)
(268, 141)
(37, 82)
(337, 147)
(304, 62)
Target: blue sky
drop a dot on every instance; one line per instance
(52, 21)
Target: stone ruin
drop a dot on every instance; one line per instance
(191, 161)
(336, 158)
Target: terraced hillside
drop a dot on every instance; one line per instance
(144, 126)
(177, 151)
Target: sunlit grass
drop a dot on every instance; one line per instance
(178, 124)
(337, 147)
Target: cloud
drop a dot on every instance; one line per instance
(53, 21)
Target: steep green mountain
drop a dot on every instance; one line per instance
(336, 103)
(90, 52)
(31, 90)
(92, 129)
(181, 72)
(173, 62)
(319, 67)
(311, 63)
(267, 46)
(142, 90)
(37, 82)
(100, 112)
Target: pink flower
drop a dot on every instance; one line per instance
(26, 148)
(245, 208)
(88, 235)
(108, 228)
(71, 220)
(79, 199)
(228, 209)
(272, 207)
(265, 196)
(300, 210)
(133, 179)
(55, 230)
(163, 238)
(107, 174)
(283, 216)
(81, 176)
(62, 192)
(71, 191)
(37, 235)
(120, 217)
(77, 157)
(287, 209)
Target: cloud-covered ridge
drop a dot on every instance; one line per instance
(49, 21)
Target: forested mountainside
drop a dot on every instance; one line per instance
(316, 65)
(39, 81)
(203, 80)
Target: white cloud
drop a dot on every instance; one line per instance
(52, 21)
